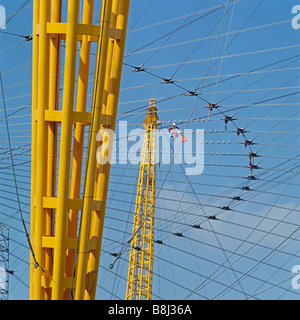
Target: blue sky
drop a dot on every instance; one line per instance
(250, 68)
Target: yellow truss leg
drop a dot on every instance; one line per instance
(34, 138)
(78, 144)
(68, 259)
(140, 271)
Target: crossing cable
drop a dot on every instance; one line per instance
(240, 239)
(188, 180)
(196, 100)
(287, 95)
(237, 34)
(36, 264)
(212, 10)
(270, 287)
(141, 68)
(26, 38)
(281, 120)
(168, 21)
(224, 51)
(202, 258)
(209, 85)
(235, 55)
(229, 78)
(226, 47)
(14, 46)
(259, 262)
(269, 74)
(217, 208)
(274, 181)
(141, 16)
(213, 36)
(201, 286)
(198, 47)
(278, 182)
(234, 76)
(291, 171)
(270, 277)
(237, 75)
(20, 9)
(187, 126)
(170, 81)
(250, 105)
(211, 226)
(253, 71)
(189, 270)
(172, 33)
(189, 226)
(224, 193)
(176, 248)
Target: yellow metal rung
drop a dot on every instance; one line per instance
(65, 206)
(70, 243)
(75, 204)
(77, 117)
(49, 242)
(55, 28)
(47, 282)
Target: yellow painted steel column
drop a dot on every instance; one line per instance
(140, 269)
(58, 247)
(97, 102)
(65, 150)
(78, 144)
(35, 52)
(43, 94)
(56, 8)
(120, 12)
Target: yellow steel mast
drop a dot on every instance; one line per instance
(140, 271)
(65, 253)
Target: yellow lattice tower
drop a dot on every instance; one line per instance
(140, 271)
(66, 253)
